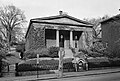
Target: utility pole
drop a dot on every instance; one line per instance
(60, 68)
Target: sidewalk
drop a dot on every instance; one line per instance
(66, 75)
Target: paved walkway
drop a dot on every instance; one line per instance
(66, 75)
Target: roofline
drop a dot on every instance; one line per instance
(62, 16)
(28, 28)
(32, 21)
(56, 17)
(109, 18)
(62, 23)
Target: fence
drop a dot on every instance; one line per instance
(50, 65)
(44, 67)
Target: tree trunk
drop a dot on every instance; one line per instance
(8, 40)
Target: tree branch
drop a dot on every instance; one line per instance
(3, 34)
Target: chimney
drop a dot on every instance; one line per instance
(60, 12)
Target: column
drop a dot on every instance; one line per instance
(83, 39)
(71, 38)
(57, 38)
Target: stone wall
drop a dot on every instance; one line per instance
(111, 35)
(35, 38)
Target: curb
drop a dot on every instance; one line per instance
(65, 75)
(70, 76)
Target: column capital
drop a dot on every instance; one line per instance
(57, 29)
(71, 29)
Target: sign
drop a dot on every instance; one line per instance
(37, 58)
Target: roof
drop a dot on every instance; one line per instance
(111, 18)
(56, 20)
(60, 16)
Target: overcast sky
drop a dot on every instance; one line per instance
(76, 8)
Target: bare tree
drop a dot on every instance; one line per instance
(96, 34)
(10, 18)
(96, 23)
(96, 30)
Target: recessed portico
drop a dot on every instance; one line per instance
(66, 38)
(59, 31)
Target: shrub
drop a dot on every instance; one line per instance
(45, 64)
(3, 54)
(95, 54)
(20, 47)
(28, 67)
(53, 52)
(44, 52)
(114, 62)
(84, 51)
(33, 53)
(98, 62)
(92, 53)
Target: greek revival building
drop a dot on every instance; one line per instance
(59, 31)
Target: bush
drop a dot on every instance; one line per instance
(44, 52)
(45, 64)
(114, 62)
(98, 62)
(3, 54)
(53, 52)
(28, 67)
(33, 53)
(95, 54)
(20, 48)
(92, 53)
(84, 51)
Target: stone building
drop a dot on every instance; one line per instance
(111, 34)
(59, 31)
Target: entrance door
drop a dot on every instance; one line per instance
(61, 41)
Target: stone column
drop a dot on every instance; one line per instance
(83, 39)
(71, 38)
(57, 38)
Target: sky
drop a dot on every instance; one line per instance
(76, 8)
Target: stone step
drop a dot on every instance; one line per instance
(68, 53)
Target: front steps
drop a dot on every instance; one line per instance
(68, 53)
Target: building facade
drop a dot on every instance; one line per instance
(59, 31)
(111, 34)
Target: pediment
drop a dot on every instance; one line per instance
(64, 19)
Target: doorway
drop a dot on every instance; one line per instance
(61, 41)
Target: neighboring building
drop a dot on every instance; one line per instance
(111, 34)
(60, 31)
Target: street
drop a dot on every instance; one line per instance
(101, 77)
(110, 74)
